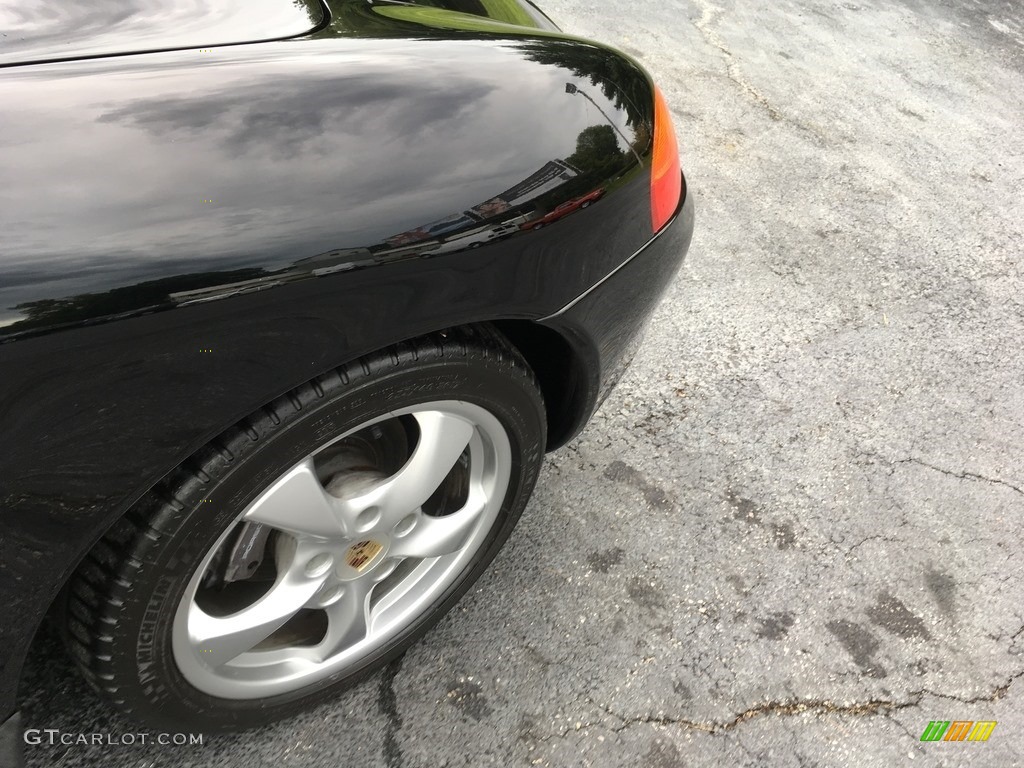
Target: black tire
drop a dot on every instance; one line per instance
(121, 601)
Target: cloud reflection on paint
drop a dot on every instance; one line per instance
(297, 154)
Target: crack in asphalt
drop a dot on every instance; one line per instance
(963, 475)
(784, 708)
(901, 726)
(387, 703)
(973, 476)
(997, 693)
(873, 537)
(733, 71)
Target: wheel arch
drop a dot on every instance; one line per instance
(562, 372)
(558, 363)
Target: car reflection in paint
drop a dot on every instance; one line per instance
(569, 206)
(475, 239)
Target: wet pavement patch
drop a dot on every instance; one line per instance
(860, 643)
(892, 615)
(774, 627)
(605, 559)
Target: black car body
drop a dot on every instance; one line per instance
(194, 223)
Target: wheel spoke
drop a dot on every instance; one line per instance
(436, 536)
(365, 547)
(443, 438)
(299, 504)
(348, 620)
(220, 639)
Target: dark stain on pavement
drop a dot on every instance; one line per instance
(603, 560)
(537, 657)
(775, 627)
(747, 511)
(682, 690)
(736, 582)
(468, 696)
(646, 594)
(859, 643)
(743, 509)
(530, 732)
(656, 496)
(663, 754)
(922, 667)
(943, 589)
(892, 615)
(783, 535)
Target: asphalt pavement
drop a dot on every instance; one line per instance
(792, 536)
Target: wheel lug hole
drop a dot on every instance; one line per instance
(319, 564)
(405, 525)
(368, 518)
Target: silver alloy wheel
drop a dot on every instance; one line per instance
(356, 550)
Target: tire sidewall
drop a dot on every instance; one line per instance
(199, 517)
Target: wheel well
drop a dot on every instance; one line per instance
(558, 368)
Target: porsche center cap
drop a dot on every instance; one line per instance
(362, 553)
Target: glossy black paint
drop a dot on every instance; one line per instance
(188, 234)
(606, 323)
(42, 32)
(276, 162)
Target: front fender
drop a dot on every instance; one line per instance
(190, 234)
